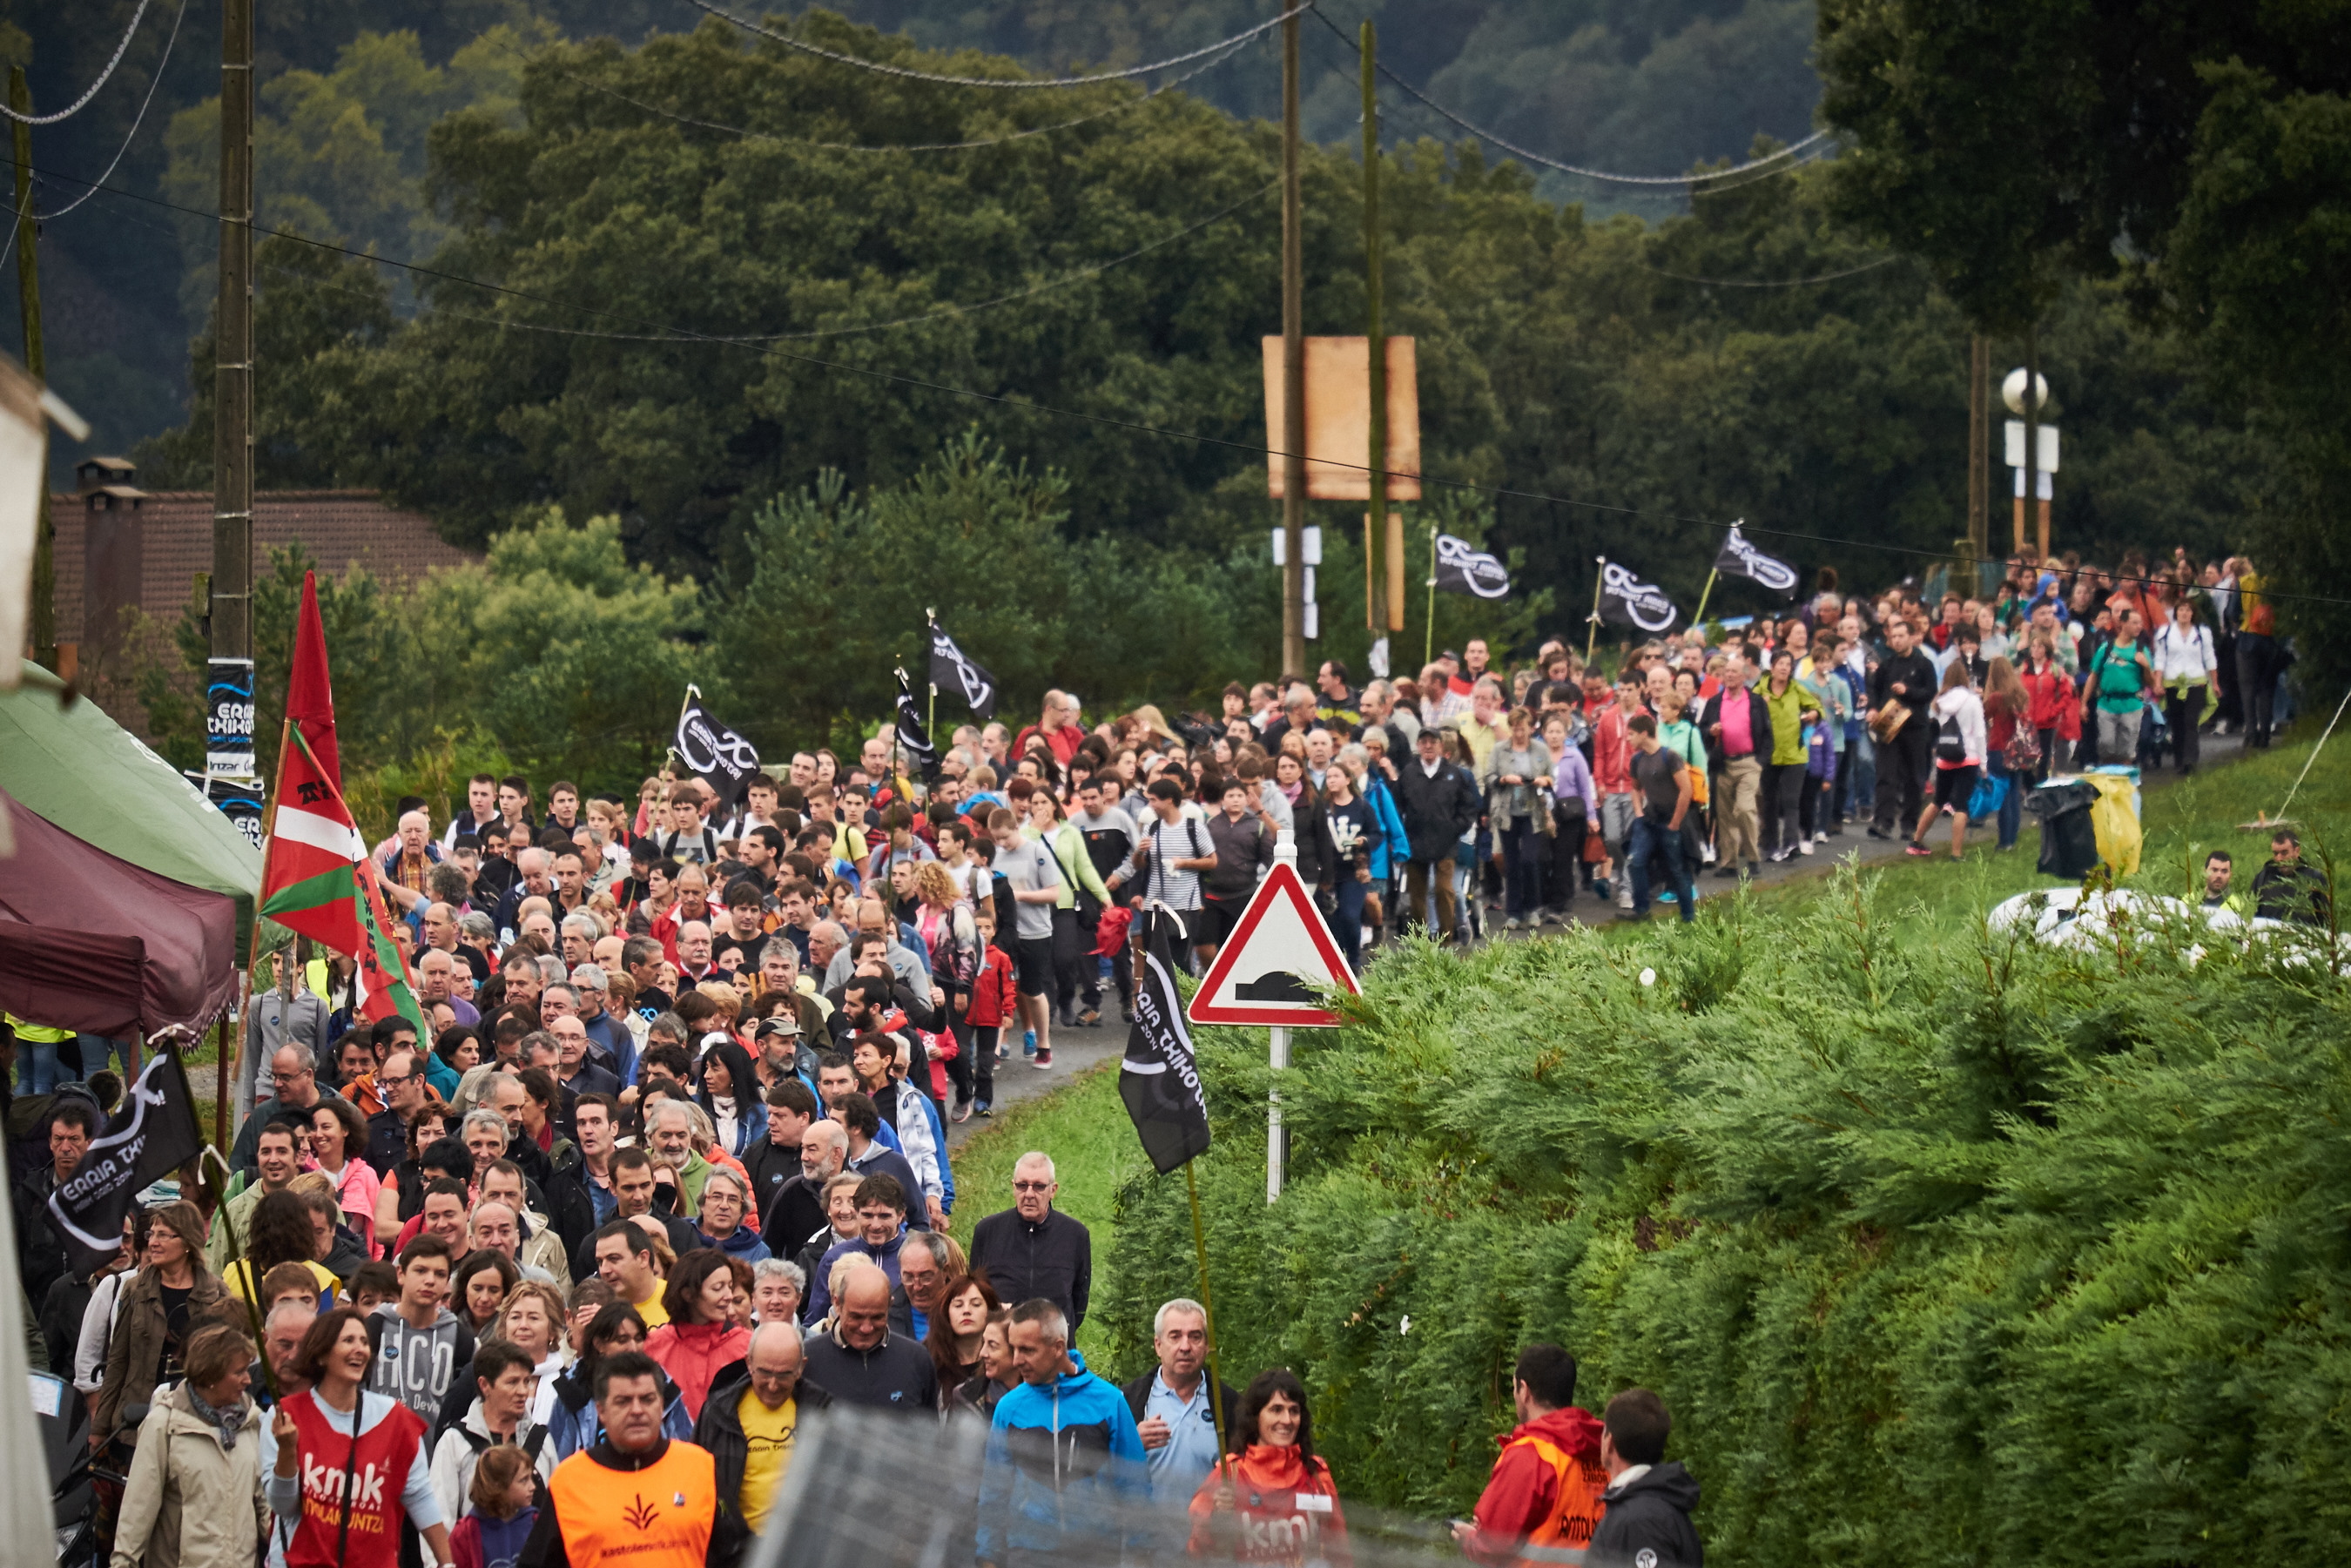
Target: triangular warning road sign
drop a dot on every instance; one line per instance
(1279, 949)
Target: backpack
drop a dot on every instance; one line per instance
(1950, 744)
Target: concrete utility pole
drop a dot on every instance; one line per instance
(232, 584)
(1293, 372)
(28, 301)
(2033, 442)
(1375, 520)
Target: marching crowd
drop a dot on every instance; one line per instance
(553, 1280)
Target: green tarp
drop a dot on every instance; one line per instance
(100, 783)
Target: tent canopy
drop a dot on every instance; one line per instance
(92, 943)
(88, 774)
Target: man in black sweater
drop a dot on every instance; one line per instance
(1032, 1251)
(862, 1362)
(1904, 676)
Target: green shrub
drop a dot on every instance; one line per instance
(1940, 1251)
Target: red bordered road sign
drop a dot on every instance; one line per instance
(1280, 954)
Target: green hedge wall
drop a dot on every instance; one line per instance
(1940, 1252)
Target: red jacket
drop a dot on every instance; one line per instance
(1528, 1499)
(994, 991)
(694, 1353)
(1288, 1512)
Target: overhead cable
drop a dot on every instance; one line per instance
(1119, 107)
(1131, 71)
(1482, 134)
(76, 107)
(1105, 421)
(1770, 283)
(153, 83)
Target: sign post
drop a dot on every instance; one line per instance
(1279, 948)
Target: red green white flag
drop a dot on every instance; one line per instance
(307, 884)
(386, 988)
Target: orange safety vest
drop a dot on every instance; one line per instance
(659, 1516)
(1563, 1536)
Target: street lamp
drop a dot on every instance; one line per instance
(2032, 449)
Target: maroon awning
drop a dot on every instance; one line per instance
(91, 943)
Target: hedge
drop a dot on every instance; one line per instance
(1940, 1252)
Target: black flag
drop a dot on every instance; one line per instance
(913, 736)
(151, 1134)
(1463, 569)
(953, 673)
(1634, 603)
(712, 752)
(1158, 1078)
(1740, 559)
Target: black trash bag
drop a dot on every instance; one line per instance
(2069, 843)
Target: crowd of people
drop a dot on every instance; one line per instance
(669, 1163)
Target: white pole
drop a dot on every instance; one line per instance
(1285, 852)
(1273, 1146)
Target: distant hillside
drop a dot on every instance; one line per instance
(1638, 86)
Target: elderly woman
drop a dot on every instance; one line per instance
(194, 1496)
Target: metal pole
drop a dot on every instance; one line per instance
(1979, 440)
(232, 587)
(1285, 852)
(28, 301)
(1293, 371)
(1375, 346)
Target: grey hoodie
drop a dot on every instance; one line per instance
(414, 1365)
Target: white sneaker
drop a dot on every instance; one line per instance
(1624, 895)
(1803, 846)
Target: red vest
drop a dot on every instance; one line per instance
(378, 1466)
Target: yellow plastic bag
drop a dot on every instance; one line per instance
(2115, 820)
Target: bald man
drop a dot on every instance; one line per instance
(407, 864)
(860, 1361)
(751, 1416)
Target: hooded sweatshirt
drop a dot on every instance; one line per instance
(1648, 1520)
(1065, 1470)
(1284, 1511)
(1545, 1489)
(416, 1365)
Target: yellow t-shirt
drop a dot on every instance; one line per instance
(651, 1311)
(767, 1454)
(238, 1278)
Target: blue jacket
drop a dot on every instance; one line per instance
(573, 1423)
(1065, 1471)
(1391, 842)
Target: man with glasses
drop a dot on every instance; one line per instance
(1033, 1250)
(751, 1418)
(400, 1082)
(295, 1098)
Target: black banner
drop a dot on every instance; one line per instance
(913, 736)
(959, 676)
(1158, 1078)
(1634, 603)
(1461, 568)
(1740, 559)
(152, 1134)
(712, 752)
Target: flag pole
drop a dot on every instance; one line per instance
(1208, 1313)
(1704, 594)
(366, 883)
(235, 1256)
(1592, 633)
(1428, 646)
(252, 936)
(931, 717)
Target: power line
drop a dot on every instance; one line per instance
(1022, 82)
(1105, 421)
(141, 119)
(78, 104)
(1517, 152)
(1771, 283)
(1120, 108)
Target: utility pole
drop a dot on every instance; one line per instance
(232, 584)
(1979, 446)
(1377, 607)
(28, 302)
(2032, 443)
(1293, 371)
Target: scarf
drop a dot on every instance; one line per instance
(230, 1421)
